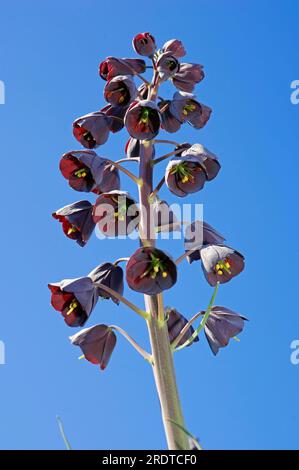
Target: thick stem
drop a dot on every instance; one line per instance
(163, 366)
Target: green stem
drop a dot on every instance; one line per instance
(122, 299)
(132, 341)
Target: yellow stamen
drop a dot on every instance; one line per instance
(227, 264)
(164, 274)
(156, 269)
(81, 357)
(73, 306)
(71, 230)
(219, 272)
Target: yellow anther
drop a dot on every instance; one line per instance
(185, 179)
(227, 264)
(156, 269)
(185, 112)
(71, 230)
(73, 306)
(121, 99)
(217, 266)
(81, 357)
(219, 272)
(164, 274)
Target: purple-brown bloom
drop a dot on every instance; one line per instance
(75, 299)
(77, 222)
(169, 122)
(150, 271)
(144, 44)
(185, 108)
(222, 325)
(220, 263)
(116, 213)
(92, 129)
(198, 235)
(120, 90)
(132, 148)
(167, 66)
(185, 175)
(188, 76)
(143, 120)
(175, 323)
(109, 275)
(175, 47)
(116, 116)
(86, 171)
(209, 160)
(97, 344)
(112, 67)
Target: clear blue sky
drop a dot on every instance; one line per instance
(246, 397)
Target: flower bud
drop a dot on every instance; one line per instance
(113, 66)
(144, 44)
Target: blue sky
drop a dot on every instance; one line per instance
(246, 397)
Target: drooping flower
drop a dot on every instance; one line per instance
(143, 120)
(75, 299)
(185, 175)
(175, 47)
(169, 122)
(175, 323)
(116, 213)
(198, 235)
(222, 325)
(132, 148)
(167, 66)
(185, 108)
(188, 76)
(150, 271)
(92, 129)
(116, 116)
(120, 90)
(97, 344)
(109, 275)
(221, 263)
(112, 67)
(144, 44)
(77, 222)
(209, 160)
(86, 171)
(165, 219)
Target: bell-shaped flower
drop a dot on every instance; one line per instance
(209, 160)
(113, 66)
(167, 66)
(175, 46)
(86, 171)
(220, 263)
(92, 129)
(143, 120)
(97, 344)
(222, 325)
(110, 275)
(188, 76)
(185, 175)
(185, 108)
(75, 299)
(144, 44)
(116, 213)
(165, 219)
(115, 115)
(198, 235)
(77, 222)
(175, 323)
(169, 122)
(120, 90)
(150, 271)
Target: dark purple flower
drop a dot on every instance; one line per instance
(144, 44)
(175, 323)
(116, 116)
(167, 66)
(198, 235)
(143, 120)
(209, 160)
(77, 222)
(185, 108)
(185, 175)
(109, 275)
(92, 129)
(86, 171)
(220, 263)
(164, 218)
(222, 325)
(116, 213)
(169, 122)
(187, 76)
(120, 90)
(150, 271)
(97, 344)
(74, 299)
(113, 66)
(175, 47)
(132, 148)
